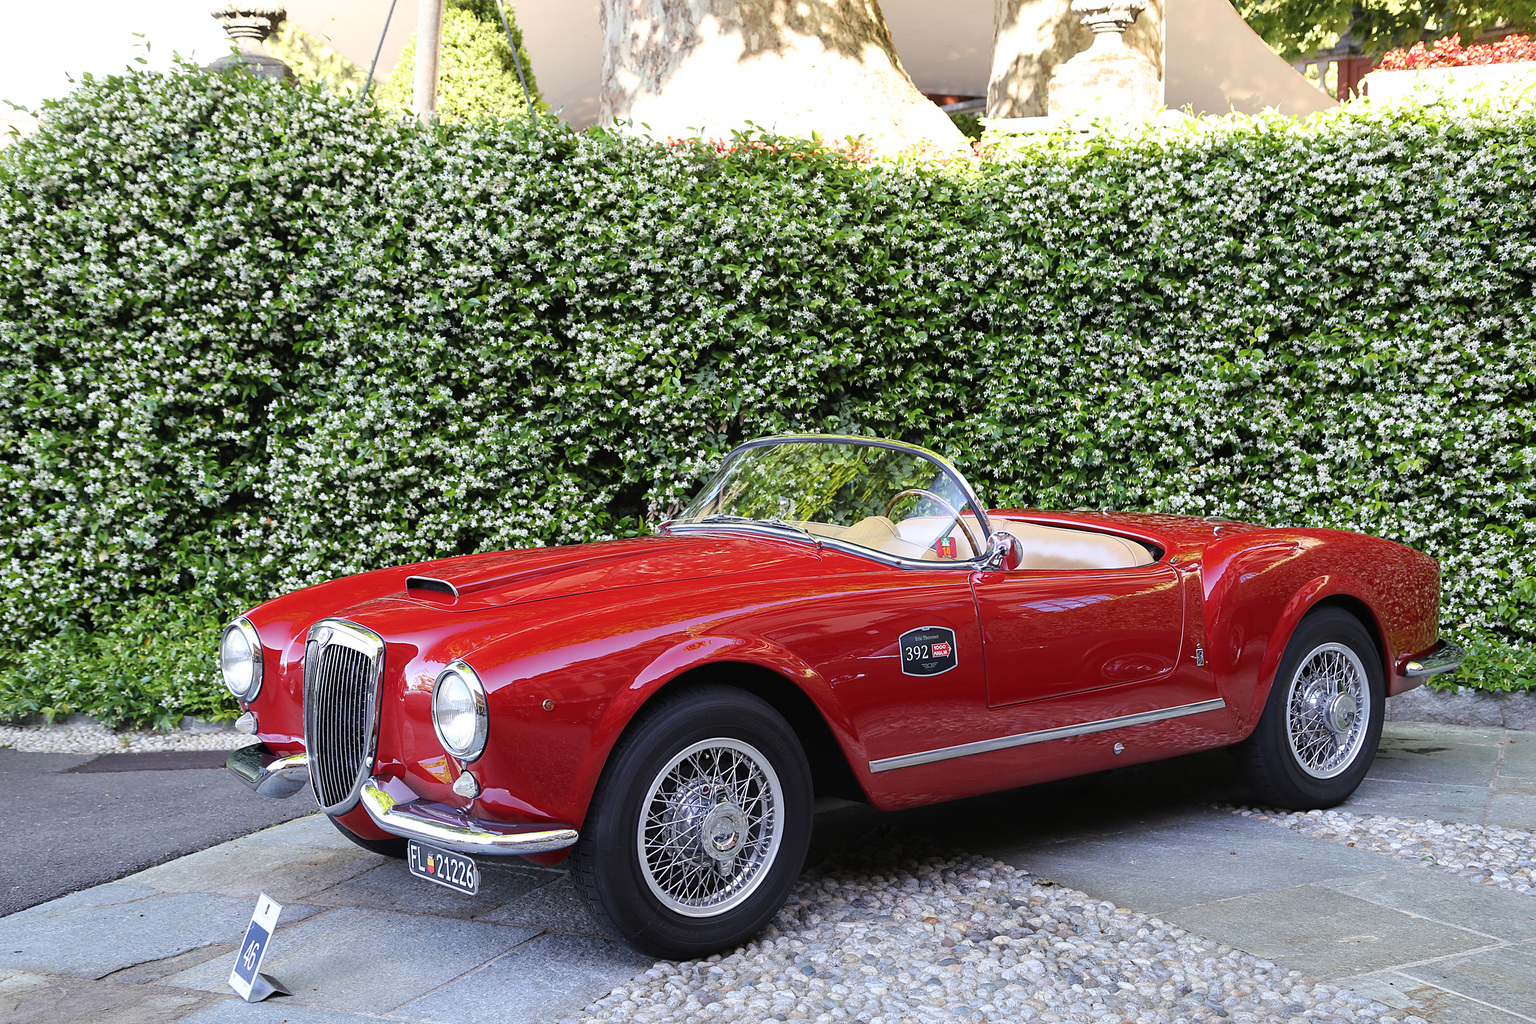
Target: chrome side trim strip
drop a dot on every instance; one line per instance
(275, 775)
(453, 829)
(1446, 656)
(1024, 739)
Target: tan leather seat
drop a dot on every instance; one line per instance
(1060, 547)
(1044, 547)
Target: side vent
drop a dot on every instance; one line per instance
(431, 583)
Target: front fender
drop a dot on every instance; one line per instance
(557, 715)
(717, 654)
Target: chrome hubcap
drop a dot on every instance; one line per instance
(1327, 711)
(1341, 713)
(711, 827)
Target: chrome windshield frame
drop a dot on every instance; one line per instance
(765, 526)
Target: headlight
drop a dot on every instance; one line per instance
(458, 711)
(240, 659)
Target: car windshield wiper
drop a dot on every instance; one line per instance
(802, 531)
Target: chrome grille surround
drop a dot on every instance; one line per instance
(343, 667)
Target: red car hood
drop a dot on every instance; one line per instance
(516, 577)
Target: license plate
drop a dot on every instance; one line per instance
(444, 867)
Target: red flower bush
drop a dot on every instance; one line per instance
(1449, 53)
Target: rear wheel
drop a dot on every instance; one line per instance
(699, 825)
(1322, 722)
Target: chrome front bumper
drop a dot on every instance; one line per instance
(410, 817)
(274, 775)
(1445, 656)
(453, 829)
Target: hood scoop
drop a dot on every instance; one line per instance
(431, 584)
(512, 577)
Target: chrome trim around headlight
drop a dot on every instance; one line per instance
(275, 775)
(253, 640)
(482, 712)
(453, 829)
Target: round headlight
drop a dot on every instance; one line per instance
(240, 659)
(458, 712)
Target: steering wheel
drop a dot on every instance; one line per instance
(955, 518)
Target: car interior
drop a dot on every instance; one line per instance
(1043, 547)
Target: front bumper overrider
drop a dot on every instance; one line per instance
(282, 775)
(1445, 656)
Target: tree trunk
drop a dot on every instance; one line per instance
(795, 67)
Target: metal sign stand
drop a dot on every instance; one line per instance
(246, 978)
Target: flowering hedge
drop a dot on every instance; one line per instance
(252, 337)
(1449, 53)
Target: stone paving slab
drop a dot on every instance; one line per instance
(1321, 931)
(289, 874)
(1429, 1001)
(390, 887)
(1504, 977)
(540, 981)
(1497, 913)
(1418, 800)
(276, 1010)
(365, 960)
(556, 907)
(311, 830)
(1517, 810)
(1214, 858)
(1519, 758)
(1474, 757)
(92, 939)
(27, 998)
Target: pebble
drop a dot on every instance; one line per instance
(92, 738)
(1492, 854)
(913, 936)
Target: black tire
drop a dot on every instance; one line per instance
(394, 846)
(1311, 748)
(640, 882)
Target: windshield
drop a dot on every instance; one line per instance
(897, 501)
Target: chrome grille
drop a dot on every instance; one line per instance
(343, 664)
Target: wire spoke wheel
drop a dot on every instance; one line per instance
(1316, 739)
(1328, 710)
(710, 827)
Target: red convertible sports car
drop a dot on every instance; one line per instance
(830, 616)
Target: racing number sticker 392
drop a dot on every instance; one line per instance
(928, 651)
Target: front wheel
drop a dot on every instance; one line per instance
(1322, 722)
(699, 825)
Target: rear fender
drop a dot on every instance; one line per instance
(1308, 597)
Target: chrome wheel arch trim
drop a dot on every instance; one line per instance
(1024, 739)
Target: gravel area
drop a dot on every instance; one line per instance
(964, 938)
(1505, 857)
(91, 738)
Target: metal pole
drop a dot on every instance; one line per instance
(368, 82)
(429, 41)
(516, 60)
